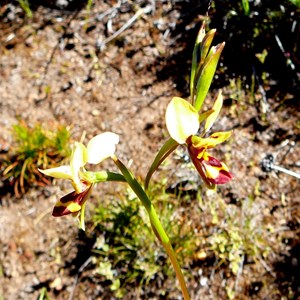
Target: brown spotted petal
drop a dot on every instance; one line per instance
(209, 168)
(215, 171)
(71, 203)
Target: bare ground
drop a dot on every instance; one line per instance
(53, 71)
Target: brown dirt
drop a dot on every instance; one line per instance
(52, 72)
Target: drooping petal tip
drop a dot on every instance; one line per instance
(211, 170)
(215, 171)
(212, 141)
(63, 172)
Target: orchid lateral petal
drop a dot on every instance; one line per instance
(79, 156)
(101, 147)
(169, 146)
(181, 119)
(216, 108)
(210, 142)
(207, 73)
(63, 172)
(218, 138)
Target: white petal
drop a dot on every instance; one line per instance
(182, 120)
(58, 172)
(79, 156)
(101, 147)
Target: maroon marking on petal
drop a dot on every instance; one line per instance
(73, 197)
(200, 168)
(200, 151)
(80, 198)
(59, 211)
(189, 140)
(194, 151)
(223, 177)
(211, 161)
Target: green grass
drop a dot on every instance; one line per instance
(127, 255)
(26, 7)
(32, 148)
(126, 252)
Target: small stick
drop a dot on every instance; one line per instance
(267, 165)
(283, 170)
(140, 12)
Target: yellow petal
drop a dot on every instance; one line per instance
(220, 137)
(78, 160)
(212, 117)
(210, 142)
(101, 147)
(63, 172)
(215, 139)
(182, 120)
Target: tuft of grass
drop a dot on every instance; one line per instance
(33, 147)
(44, 295)
(26, 7)
(241, 235)
(126, 253)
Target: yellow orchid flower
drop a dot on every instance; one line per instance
(183, 123)
(98, 149)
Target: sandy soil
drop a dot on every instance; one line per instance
(55, 68)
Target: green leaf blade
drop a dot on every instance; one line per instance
(169, 146)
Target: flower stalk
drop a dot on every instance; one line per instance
(155, 223)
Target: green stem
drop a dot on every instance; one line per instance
(169, 146)
(155, 223)
(101, 176)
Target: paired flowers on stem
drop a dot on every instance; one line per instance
(183, 122)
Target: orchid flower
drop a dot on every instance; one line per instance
(183, 123)
(98, 149)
